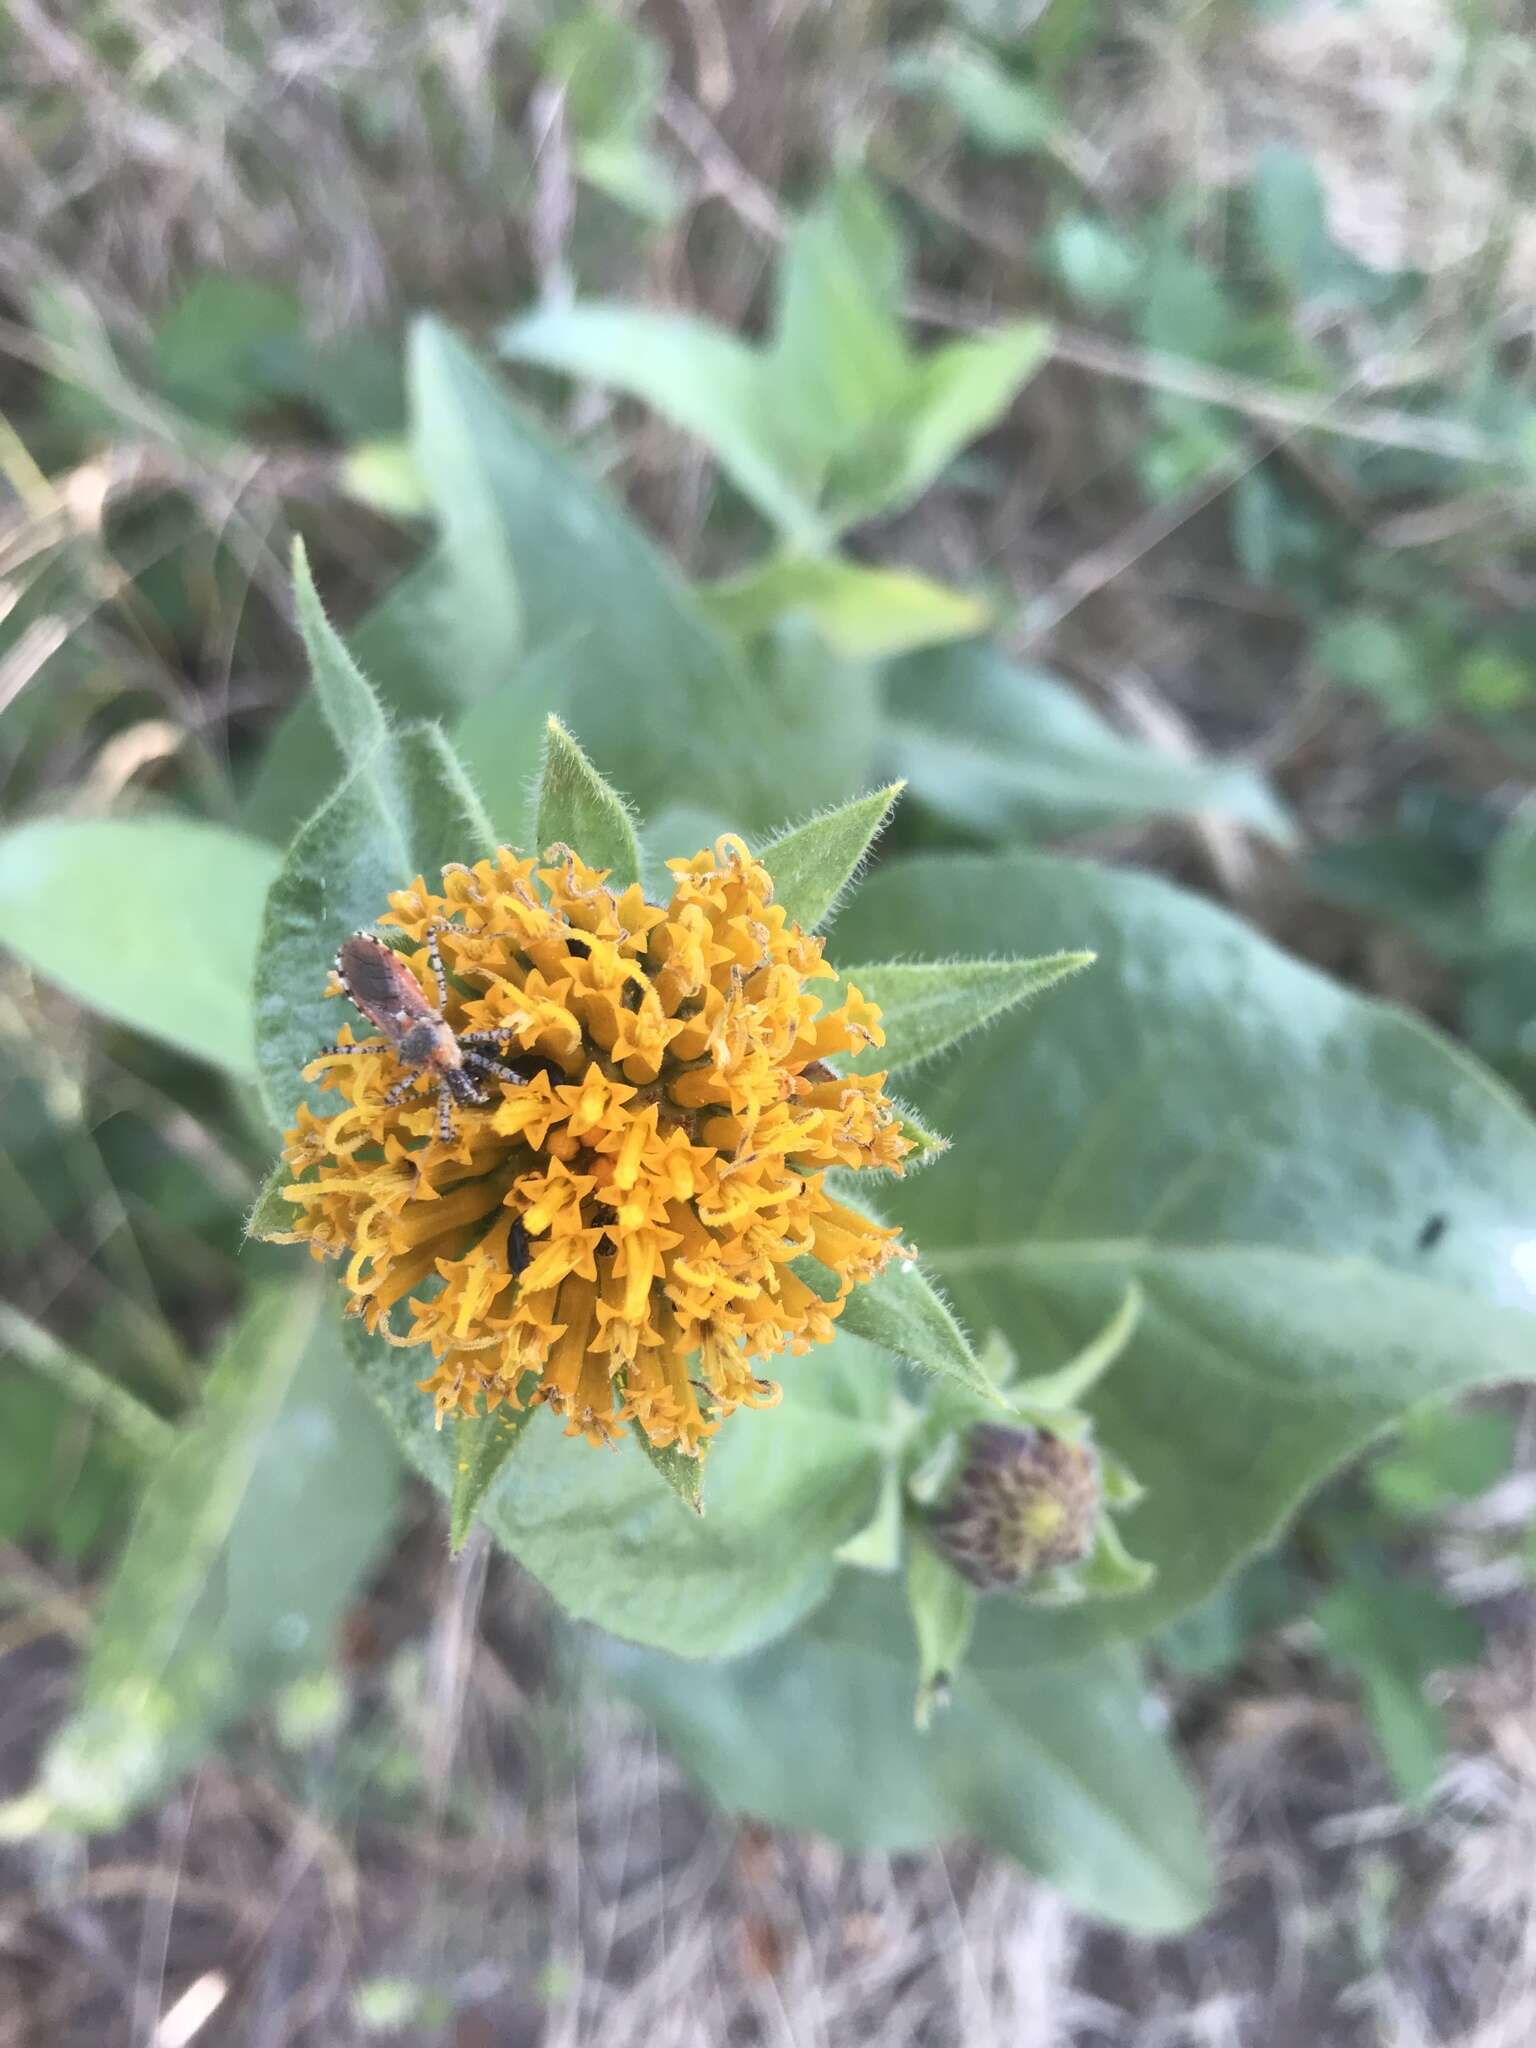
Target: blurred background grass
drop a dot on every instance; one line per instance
(1270, 495)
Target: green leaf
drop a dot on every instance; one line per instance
(334, 879)
(384, 476)
(814, 864)
(1097, 264)
(1061, 1769)
(926, 1144)
(603, 1533)
(447, 820)
(1111, 1573)
(404, 810)
(1254, 1146)
(957, 393)
(85, 1385)
(902, 1311)
(1441, 1458)
(1370, 652)
(482, 1444)
(1050, 1393)
(351, 709)
(943, 1610)
(584, 567)
(877, 1546)
(271, 1218)
(392, 1376)
(1004, 115)
(501, 738)
(408, 647)
(631, 174)
(1493, 682)
(859, 611)
(577, 808)
(1510, 884)
(838, 363)
(824, 707)
(153, 921)
(1393, 1634)
(683, 1474)
(612, 74)
(927, 1006)
(484, 620)
(227, 346)
(610, 70)
(253, 1536)
(836, 406)
(697, 376)
(1009, 752)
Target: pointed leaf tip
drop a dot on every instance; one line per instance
(812, 864)
(579, 809)
(352, 710)
(928, 1006)
(482, 1445)
(683, 1474)
(902, 1311)
(271, 1218)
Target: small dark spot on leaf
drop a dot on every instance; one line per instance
(1434, 1229)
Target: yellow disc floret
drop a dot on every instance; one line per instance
(614, 1229)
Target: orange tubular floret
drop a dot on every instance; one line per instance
(612, 1232)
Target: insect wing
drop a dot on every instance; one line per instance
(381, 986)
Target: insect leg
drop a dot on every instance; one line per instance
(435, 956)
(330, 1052)
(482, 1065)
(403, 1088)
(462, 1086)
(445, 1112)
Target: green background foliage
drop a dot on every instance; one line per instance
(1299, 1217)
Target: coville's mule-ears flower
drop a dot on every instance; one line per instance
(607, 1214)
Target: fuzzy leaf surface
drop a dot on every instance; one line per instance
(1258, 1150)
(604, 1534)
(1008, 752)
(153, 921)
(405, 809)
(351, 707)
(584, 567)
(482, 1444)
(1062, 1769)
(928, 1006)
(812, 864)
(579, 809)
(253, 1536)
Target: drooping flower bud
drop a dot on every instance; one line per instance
(1024, 1502)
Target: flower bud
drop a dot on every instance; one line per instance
(1024, 1502)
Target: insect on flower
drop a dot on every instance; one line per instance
(623, 1247)
(383, 988)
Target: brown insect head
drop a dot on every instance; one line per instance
(383, 988)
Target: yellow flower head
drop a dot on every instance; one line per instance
(612, 1228)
